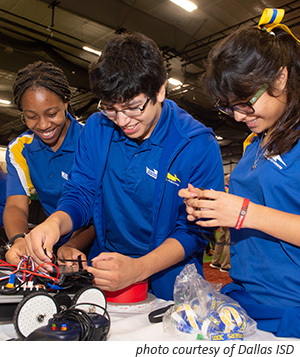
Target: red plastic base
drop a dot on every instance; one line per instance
(133, 293)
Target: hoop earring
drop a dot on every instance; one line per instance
(23, 119)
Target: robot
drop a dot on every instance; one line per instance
(62, 305)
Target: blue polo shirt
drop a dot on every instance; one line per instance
(32, 163)
(2, 195)
(128, 190)
(266, 267)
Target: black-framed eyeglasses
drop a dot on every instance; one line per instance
(129, 112)
(243, 108)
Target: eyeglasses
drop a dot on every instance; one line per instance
(129, 112)
(243, 108)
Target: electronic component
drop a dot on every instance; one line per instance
(73, 325)
(40, 312)
(31, 297)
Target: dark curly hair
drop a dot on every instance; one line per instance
(130, 64)
(249, 58)
(42, 74)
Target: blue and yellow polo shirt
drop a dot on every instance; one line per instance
(32, 163)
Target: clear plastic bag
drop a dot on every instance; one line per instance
(202, 312)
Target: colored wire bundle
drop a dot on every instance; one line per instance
(25, 274)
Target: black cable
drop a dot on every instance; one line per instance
(87, 326)
(86, 323)
(105, 312)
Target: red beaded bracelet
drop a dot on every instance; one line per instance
(242, 215)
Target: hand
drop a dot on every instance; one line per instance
(189, 194)
(114, 271)
(220, 208)
(67, 252)
(16, 252)
(40, 241)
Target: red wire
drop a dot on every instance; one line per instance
(4, 263)
(55, 266)
(32, 273)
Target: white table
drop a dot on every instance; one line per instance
(131, 326)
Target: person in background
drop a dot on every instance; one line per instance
(41, 157)
(221, 256)
(2, 194)
(253, 75)
(133, 157)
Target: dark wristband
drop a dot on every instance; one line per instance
(11, 241)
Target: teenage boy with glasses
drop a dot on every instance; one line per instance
(132, 159)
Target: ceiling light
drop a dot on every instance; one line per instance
(175, 82)
(3, 101)
(185, 4)
(219, 137)
(89, 49)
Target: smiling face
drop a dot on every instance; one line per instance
(268, 109)
(138, 127)
(44, 113)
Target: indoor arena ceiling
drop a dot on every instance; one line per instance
(56, 31)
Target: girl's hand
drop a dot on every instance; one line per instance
(216, 207)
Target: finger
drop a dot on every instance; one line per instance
(28, 248)
(39, 245)
(187, 193)
(192, 190)
(203, 204)
(48, 253)
(42, 254)
(29, 252)
(191, 218)
(184, 192)
(198, 212)
(103, 286)
(105, 266)
(106, 285)
(104, 257)
(208, 194)
(37, 260)
(208, 223)
(62, 262)
(191, 187)
(101, 278)
(12, 258)
(205, 215)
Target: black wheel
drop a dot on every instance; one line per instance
(63, 300)
(32, 312)
(90, 298)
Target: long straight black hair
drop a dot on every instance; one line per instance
(249, 58)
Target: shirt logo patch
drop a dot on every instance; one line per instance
(152, 173)
(173, 179)
(277, 161)
(64, 176)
